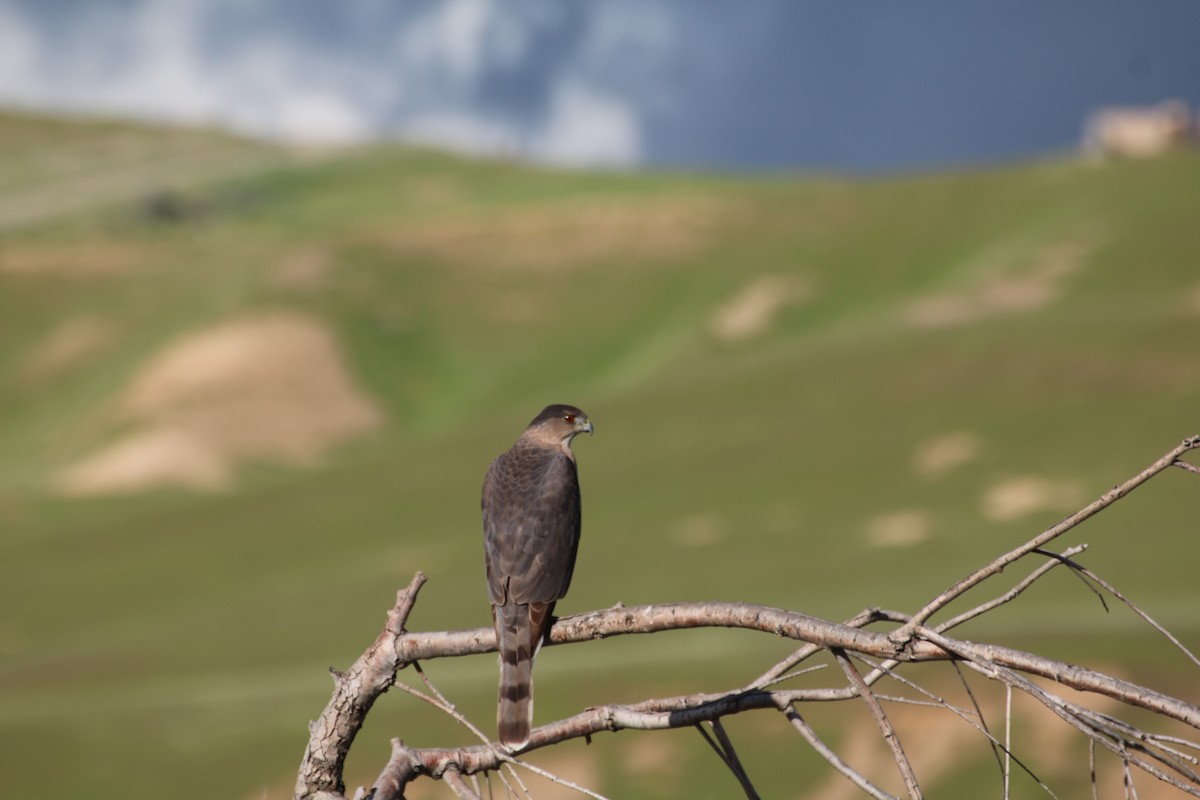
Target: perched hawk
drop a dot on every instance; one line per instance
(530, 534)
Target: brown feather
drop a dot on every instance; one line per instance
(531, 523)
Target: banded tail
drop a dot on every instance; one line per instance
(519, 631)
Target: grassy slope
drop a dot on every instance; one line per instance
(175, 639)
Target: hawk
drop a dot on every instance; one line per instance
(530, 509)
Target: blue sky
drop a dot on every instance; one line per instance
(843, 85)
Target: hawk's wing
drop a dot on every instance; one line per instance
(531, 518)
(530, 509)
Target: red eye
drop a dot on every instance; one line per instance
(570, 418)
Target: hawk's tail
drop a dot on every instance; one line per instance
(519, 629)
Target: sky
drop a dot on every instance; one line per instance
(835, 85)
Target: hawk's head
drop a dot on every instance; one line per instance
(560, 423)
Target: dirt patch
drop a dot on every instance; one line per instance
(270, 388)
(306, 269)
(66, 346)
(1004, 289)
(946, 452)
(1013, 498)
(898, 529)
(154, 457)
(750, 311)
(654, 756)
(699, 530)
(75, 260)
(573, 232)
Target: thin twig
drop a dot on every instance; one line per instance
(1133, 734)
(1048, 535)
(1174, 740)
(439, 701)
(732, 760)
(776, 673)
(1011, 594)
(996, 747)
(1007, 740)
(894, 616)
(1133, 607)
(1062, 709)
(1131, 737)
(712, 743)
(1130, 789)
(823, 750)
(1078, 573)
(509, 761)
(885, 726)
(550, 776)
(723, 747)
(965, 716)
(787, 676)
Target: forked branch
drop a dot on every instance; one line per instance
(910, 639)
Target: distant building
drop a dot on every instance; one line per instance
(1139, 132)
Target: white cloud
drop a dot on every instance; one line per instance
(18, 52)
(464, 132)
(314, 116)
(589, 128)
(197, 61)
(451, 38)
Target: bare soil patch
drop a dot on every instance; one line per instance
(1019, 496)
(899, 528)
(269, 388)
(72, 260)
(1004, 289)
(945, 453)
(751, 311)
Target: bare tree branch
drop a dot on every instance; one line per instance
(1051, 533)
(1081, 722)
(454, 779)
(908, 639)
(401, 768)
(981, 726)
(355, 691)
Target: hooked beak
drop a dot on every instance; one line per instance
(584, 427)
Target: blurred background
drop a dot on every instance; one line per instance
(858, 296)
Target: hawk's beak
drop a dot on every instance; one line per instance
(584, 427)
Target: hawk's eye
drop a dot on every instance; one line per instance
(570, 418)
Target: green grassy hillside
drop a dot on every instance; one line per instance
(812, 393)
